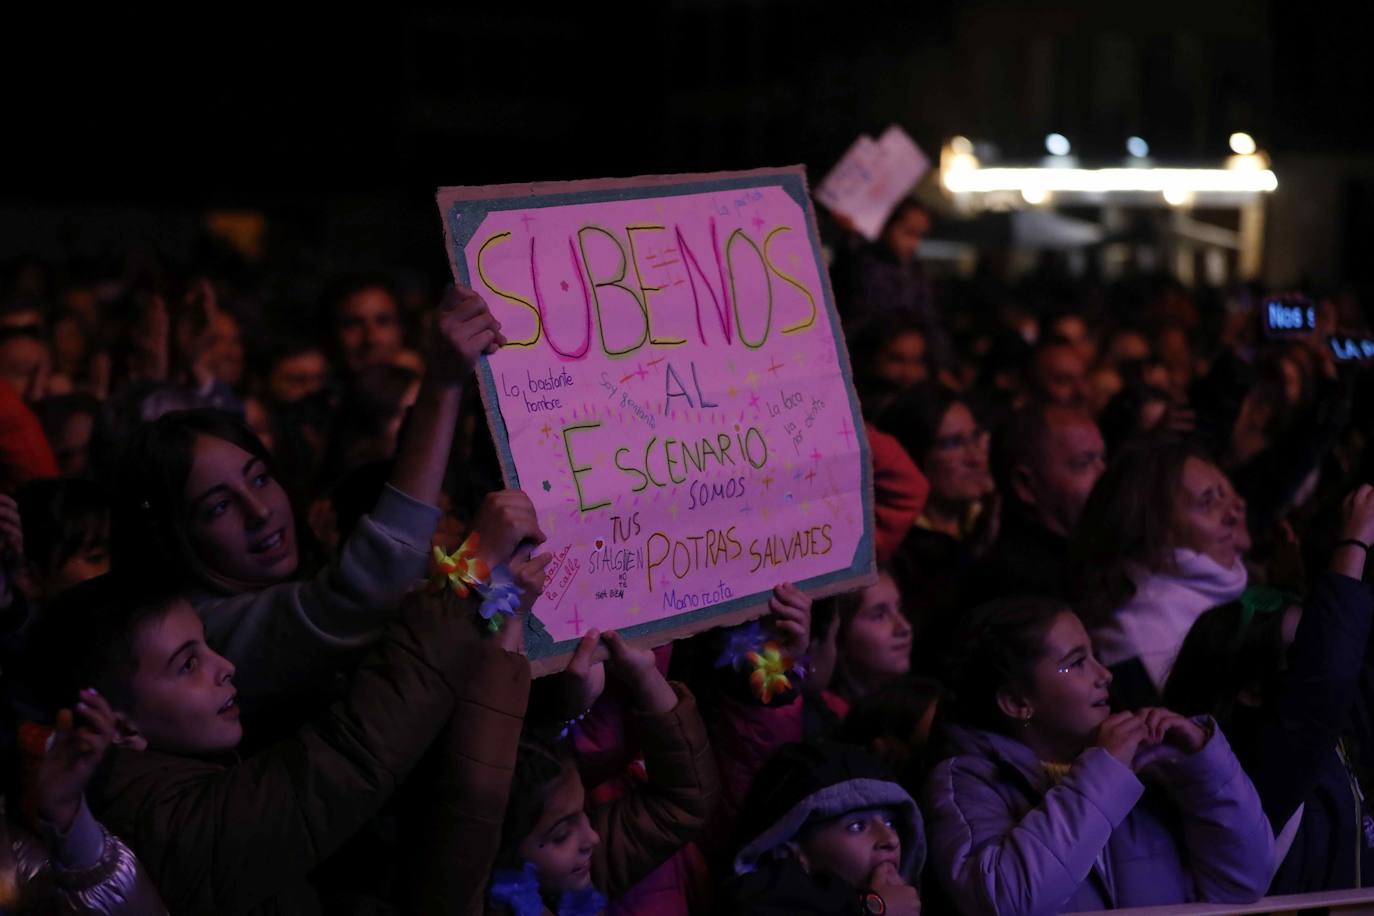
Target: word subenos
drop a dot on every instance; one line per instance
(736, 288)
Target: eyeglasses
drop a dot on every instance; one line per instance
(975, 439)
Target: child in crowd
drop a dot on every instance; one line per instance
(220, 833)
(1161, 539)
(1294, 689)
(826, 830)
(1041, 805)
(865, 643)
(745, 681)
(197, 498)
(562, 856)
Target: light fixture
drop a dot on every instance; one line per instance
(1178, 197)
(1137, 147)
(1097, 181)
(961, 145)
(1035, 196)
(1057, 145)
(1242, 144)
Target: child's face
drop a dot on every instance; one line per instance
(1069, 686)
(182, 692)
(877, 641)
(851, 846)
(561, 843)
(241, 524)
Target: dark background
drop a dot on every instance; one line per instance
(340, 127)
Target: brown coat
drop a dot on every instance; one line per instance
(644, 827)
(242, 836)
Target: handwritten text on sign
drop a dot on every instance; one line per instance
(672, 395)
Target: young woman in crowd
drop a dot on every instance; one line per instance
(939, 431)
(1048, 802)
(1160, 541)
(1293, 686)
(196, 498)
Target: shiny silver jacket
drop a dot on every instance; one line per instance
(86, 871)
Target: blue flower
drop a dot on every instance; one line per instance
(501, 594)
(739, 643)
(518, 890)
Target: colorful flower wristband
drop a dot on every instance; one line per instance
(500, 597)
(747, 648)
(460, 570)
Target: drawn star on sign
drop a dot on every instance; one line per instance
(752, 379)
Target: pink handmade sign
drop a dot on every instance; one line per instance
(675, 397)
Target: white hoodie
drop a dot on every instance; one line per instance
(1152, 625)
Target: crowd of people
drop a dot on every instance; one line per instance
(251, 661)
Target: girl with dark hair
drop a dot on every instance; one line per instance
(865, 644)
(1294, 688)
(1041, 804)
(1160, 541)
(196, 500)
(560, 855)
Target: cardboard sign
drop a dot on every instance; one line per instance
(871, 177)
(675, 397)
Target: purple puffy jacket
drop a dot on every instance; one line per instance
(1004, 839)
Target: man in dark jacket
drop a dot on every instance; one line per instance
(1045, 458)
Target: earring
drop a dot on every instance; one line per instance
(1026, 719)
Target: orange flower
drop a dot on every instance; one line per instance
(460, 569)
(769, 677)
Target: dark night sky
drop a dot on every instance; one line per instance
(243, 108)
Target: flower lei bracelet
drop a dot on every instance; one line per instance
(465, 573)
(461, 570)
(748, 648)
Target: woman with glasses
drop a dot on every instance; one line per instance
(940, 432)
